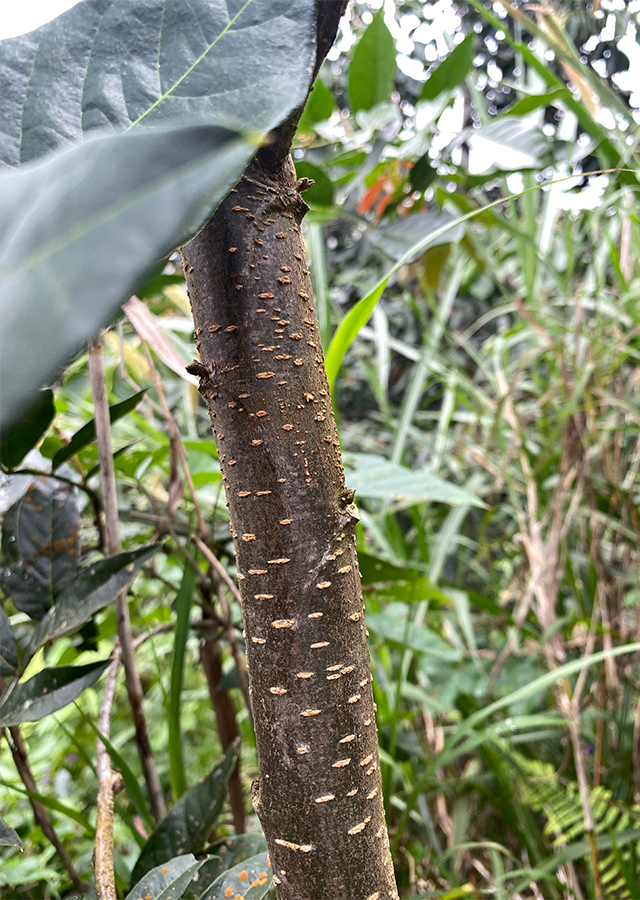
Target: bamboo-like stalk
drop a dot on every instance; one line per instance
(123, 621)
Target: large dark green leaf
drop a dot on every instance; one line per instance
(8, 837)
(8, 651)
(40, 535)
(233, 849)
(81, 230)
(250, 879)
(187, 825)
(87, 434)
(168, 881)
(452, 71)
(92, 589)
(46, 692)
(373, 66)
(16, 442)
(117, 64)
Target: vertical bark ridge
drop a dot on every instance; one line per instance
(319, 796)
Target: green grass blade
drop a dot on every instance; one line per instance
(183, 607)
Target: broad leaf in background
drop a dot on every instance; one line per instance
(513, 143)
(373, 66)
(8, 837)
(250, 880)
(399, 237)
(233, 849)
(40, 542)
(418, 638)
(116, 64)
(373, 476)
(169, 880)
(16, 442)
(8, 650)
(80, 231)
(92, 589)
(318, 108)
(187, 825)
(46, 692)
(87, 434)
(452, 71)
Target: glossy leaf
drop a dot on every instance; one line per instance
(46, 692)
(347, 331)
(168, 881)
(8, 650)
(249, 880)
(373, 66)
(93, 588)
(187, 825)
(80, 231)
(119, 64)
(526, 105)
(40, 546)
(418, 638)
(16, 442)
(87, 434)
(452, 71)
(8, 837)
(373, 476)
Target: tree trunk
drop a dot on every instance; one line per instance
(319, 797)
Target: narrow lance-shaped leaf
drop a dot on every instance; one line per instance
(373, 66)
(87, 434)
(452, 71)
(92, 589)
(188, 823)
(75, 75)
(183, 607)
(46, 692)
(173, 876)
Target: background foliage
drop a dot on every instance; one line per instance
(486, 386)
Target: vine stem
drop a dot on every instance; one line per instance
(113, 545)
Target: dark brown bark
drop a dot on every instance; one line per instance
(319, 797)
